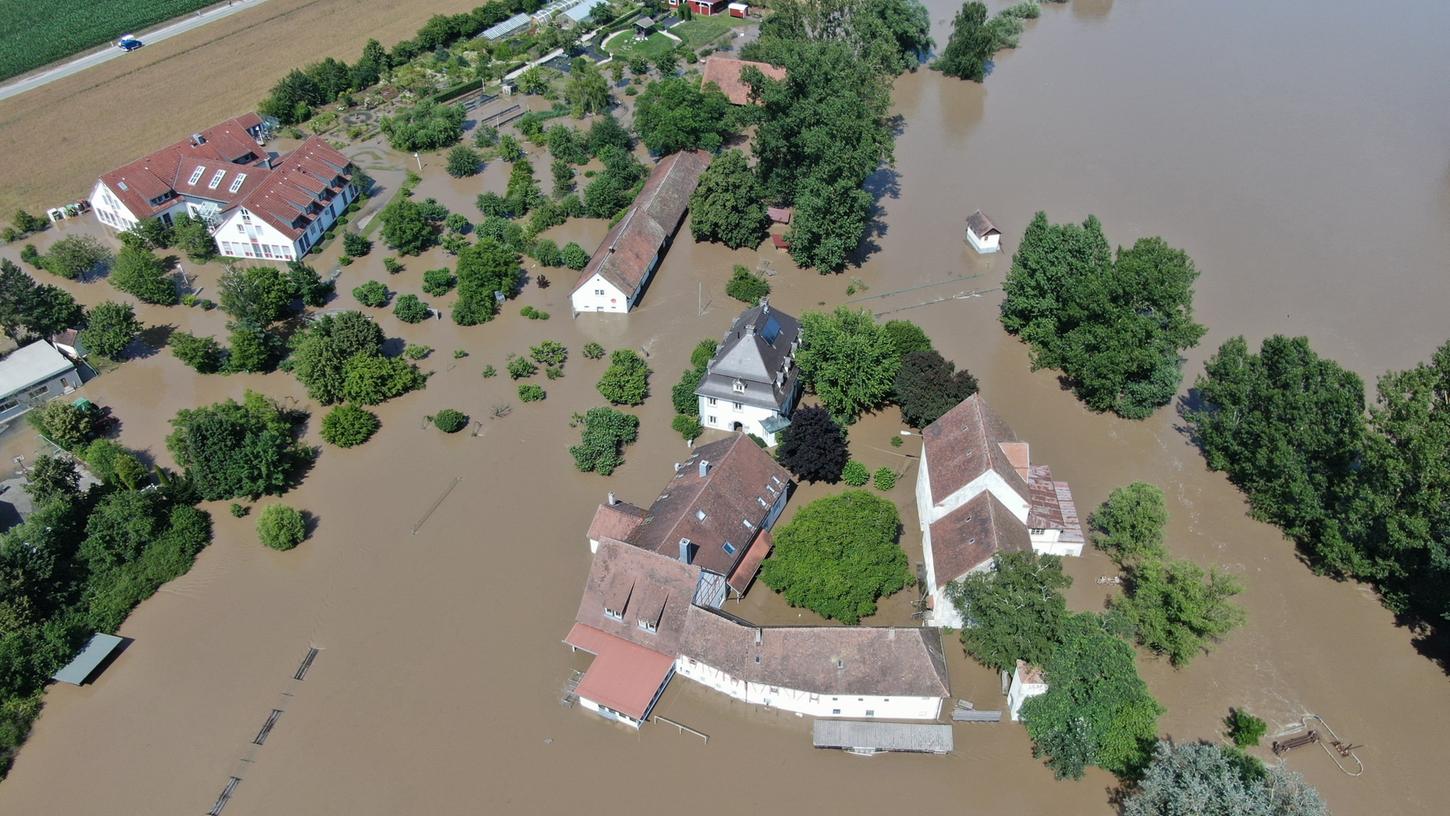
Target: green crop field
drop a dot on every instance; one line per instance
(37, 32)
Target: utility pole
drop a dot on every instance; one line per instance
(419, 161)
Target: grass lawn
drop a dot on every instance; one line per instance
(702, 31)
(626, 46)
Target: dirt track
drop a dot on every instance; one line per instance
(58, 140)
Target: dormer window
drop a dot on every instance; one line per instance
(747, 524)
(739, 387)
(647, 626)
(613, 614)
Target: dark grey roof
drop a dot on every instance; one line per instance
(758, 348)
(981, 225)
(926, 738)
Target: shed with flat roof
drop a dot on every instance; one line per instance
(866, 737)
(79, 670)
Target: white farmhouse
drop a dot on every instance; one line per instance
(258, 205)
(977, 494)
(752, 383)
(1027, 682)
(982, 234)
(32, 375)
(627, 258)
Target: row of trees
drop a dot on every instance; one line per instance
(975, 38)
(1115, 328)
(1362, 493)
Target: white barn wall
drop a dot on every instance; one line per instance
(809, 703)
(585, 297)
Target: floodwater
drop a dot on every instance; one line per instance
(1296, 152)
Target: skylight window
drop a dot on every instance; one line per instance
(216, 179)
(729, 548)
(700, 514)
(196, 174)
(237, 182)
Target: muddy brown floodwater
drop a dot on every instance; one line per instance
(1297, 151)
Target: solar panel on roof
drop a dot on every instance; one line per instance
(772, 330)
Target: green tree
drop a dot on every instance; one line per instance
(110, 327)
(563, 174)
(149, 233)
(74, 256)
(355, 244)
(606, 132)
(574, 256)
(193, 236)
(838, 555)
(675, 114)
(348, 425)
(907, 337)
(586, 91)
(233, 449)
(970, 45)
(201, 353)
(251, 349)
(307, 285)
(1214, 780)
(1129, 525)
(889, 36)
(50, 478)
(848, 360)
(143, 275)
(523, 192)
(255, 295)
(603, 437)
(450, 421)
(371, 293)
(114, 465)
(463, 161)
(1097, 710)
(533, 81)
(927, 386)
(813, 447)
(406, 227)
(30, 309)
(728, 205)
(281, 527)
(746, 287)
(66, 424)
(1014, 611)
(626, 381)
(369, 379)
(1244, 728)
(1173, 608)
(119, 529)
(410, 309)
(687, 426)
(438, 282)
(427, 125)
(484, 268)
(509, 149)
(321, 351)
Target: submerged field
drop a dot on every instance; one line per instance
(35, 34)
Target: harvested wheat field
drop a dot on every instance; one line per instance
(61, 137)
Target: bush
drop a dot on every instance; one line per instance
(410, 309)
(417, 351)
(489, 371)
(1244, 728)
(238, 510)
(534, 314)
(549, 353)
(529, 392)
(601, 444)
(281, 527)
(593, 351)
(437, 282)
(66, 424)
(884, 479)
(463, 161)
(746, 287)
(520, 367)
(370, 379)
(896, 441)
(838, 555)
(547, 252)
(355, 244)
(425, 126)
(688, 426)
(855, 474)
(371, 293)
(574, 256)
(203, 354)
(349, 425)
(450, 421)
(393, 265)
(457, 223)
(626, 381)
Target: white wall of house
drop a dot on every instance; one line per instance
(1020, 692)
(599, 295)
(725, 413)
(1048, 542)
(244, 235)
(109, 210)
(17, 403)
(985, 244)
(609, 713)
(809, 703)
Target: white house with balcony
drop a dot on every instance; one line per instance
(752, 383)
(258, 205)
(978, 494)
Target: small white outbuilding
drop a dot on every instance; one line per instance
(982, 234)
(1027, 682)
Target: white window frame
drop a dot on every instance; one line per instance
(196, 174)
(216, 179)
(237, 183)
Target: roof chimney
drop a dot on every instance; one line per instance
(685, 550)
(757, 636)
(749, 329)
(612, 501)
(765, 305)
(198, 139)
(704, 468)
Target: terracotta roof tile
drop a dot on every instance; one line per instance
(624, 676)
(965, 443)
(640, 584)
(970, 535)
(616, 521)
(725, 73)
(980, 225)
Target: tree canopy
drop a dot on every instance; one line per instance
(141, 274)
(1215, 780)
(1014, 611)
(675, 114)
(970, 45)
(602, 439)
(626, 381)
(110, 327)
(838, 555)
(813, 447)
(848, 360)
(1116, 330)
(407, 227)
(29, 309)
(1176, 609)
(427, 125)
(233, 449)
(483, 269)
(320, 352)
(889, 35)
(927, 386)
(1129, 525)
(728, 205)
(75, 255)
(586, 91)
(255, 295)
(1097, 710)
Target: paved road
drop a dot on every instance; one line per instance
(107, 53)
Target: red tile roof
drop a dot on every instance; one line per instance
(627, 254)
(298, 179)
(970, 535)
(749, 565)
(639, 584)
(725, 72)
(728, 505)
(965, 443)
(616, 521)
(623, 676)
(224, 146)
